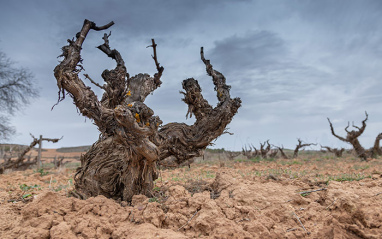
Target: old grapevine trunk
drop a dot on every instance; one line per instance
(352, 138)
(122, 162)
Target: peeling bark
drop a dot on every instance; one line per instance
(123, 161)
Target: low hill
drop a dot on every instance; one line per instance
(74, 149)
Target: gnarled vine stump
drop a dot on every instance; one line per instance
(132, 141)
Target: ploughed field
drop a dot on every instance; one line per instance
(314, 196)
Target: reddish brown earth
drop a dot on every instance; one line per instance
(209, 200)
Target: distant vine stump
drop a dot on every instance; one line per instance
(337, 152)
(231, 154)
(352, 138)
(265, 150)
(39, 164)
(59, 161)
(281, 149)
(376, 150)
(299, 146)
(252, 152)
(20, 162)
(123, 161)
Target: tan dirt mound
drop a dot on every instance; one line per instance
(232, 204)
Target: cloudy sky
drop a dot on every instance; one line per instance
(293, 63)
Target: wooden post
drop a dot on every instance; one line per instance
(39, 164)
(2, 151)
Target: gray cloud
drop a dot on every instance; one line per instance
(293, 63)
(260, 50)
